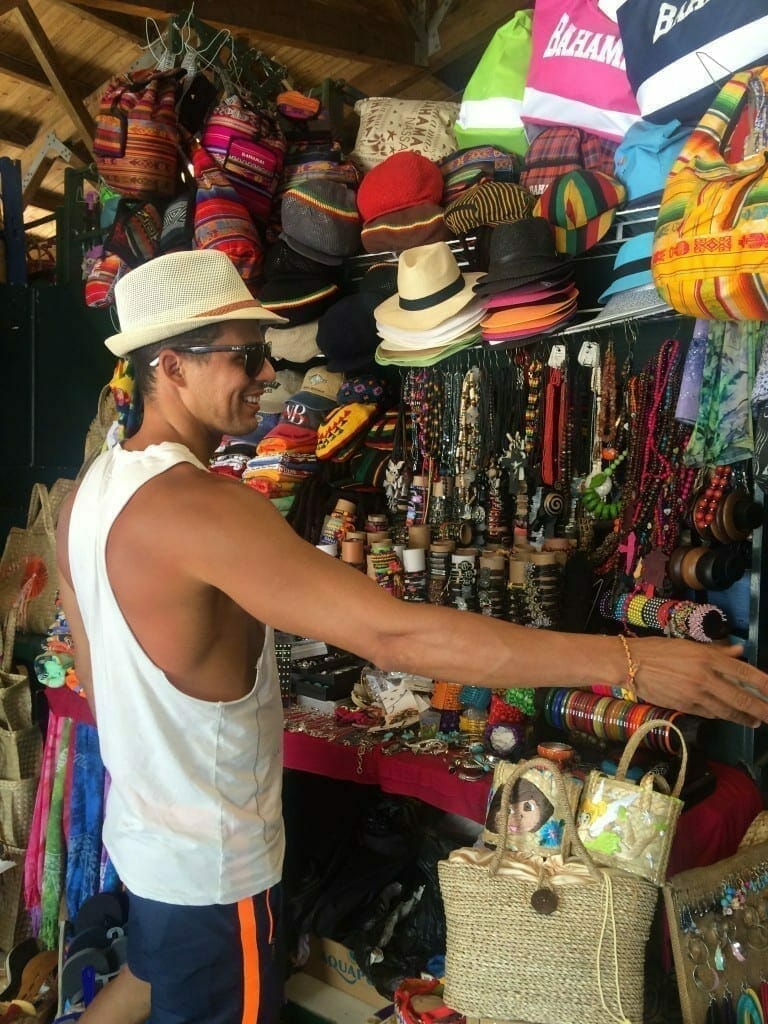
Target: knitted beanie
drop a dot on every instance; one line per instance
(488, 203)
(403, 179)
(320, 220)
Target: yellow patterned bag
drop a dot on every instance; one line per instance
(710, 248)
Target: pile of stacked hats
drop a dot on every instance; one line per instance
(320, 228)
(481, 208)
(400, 203)
(346, 333)
(473, 165)
(643, 161)
(312, 152)
(286, 456)
(361, 400)
(434, 312)
(528, 290)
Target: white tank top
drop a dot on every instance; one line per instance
(193, 813)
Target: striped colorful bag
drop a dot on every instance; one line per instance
(136, 144)
(710, 247)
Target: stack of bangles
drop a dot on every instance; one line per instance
(687, 619)
(610, 719)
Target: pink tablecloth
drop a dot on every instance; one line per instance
(707, 832)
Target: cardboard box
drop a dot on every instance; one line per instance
(335, 965)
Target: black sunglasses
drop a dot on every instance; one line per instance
(254, 354)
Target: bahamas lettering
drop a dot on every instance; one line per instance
(672, 14)
(568, 40)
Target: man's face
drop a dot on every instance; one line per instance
(223, 395)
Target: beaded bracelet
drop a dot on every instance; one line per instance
(631, 670)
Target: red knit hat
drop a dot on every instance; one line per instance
(403, 179)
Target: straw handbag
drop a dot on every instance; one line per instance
(15, 693)
(631, 825)
(15, 923)
(545, 940)
(28, 577)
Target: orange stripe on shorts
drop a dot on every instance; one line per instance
(251, 975)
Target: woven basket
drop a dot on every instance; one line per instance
(16, 705)
(20, 753)
(15, 923)
(757, 831)
(17, 805)
(505, 960)
(28, 572)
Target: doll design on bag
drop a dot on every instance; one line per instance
(530, 813)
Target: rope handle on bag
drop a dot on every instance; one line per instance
(634, 742)
(569, 829)
(39, 499)
(7, 639)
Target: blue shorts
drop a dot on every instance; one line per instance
(212, 965)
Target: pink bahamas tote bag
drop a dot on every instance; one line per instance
(577, 75)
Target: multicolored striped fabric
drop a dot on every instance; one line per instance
(136, 141)
(710, 248)
(250, 148)
(222, 220)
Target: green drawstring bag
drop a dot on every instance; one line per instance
(490, 107)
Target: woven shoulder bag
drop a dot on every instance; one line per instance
(710, 247)
(552, 940)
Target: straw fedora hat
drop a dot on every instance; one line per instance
(430, 289)
(176, 293)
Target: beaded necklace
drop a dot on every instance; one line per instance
(659, 486)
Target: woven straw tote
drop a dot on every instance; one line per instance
(28, 575)
(578, 959)
(20, 740)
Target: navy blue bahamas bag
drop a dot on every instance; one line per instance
(683, 51)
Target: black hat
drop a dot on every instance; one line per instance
(520, 251)
(299, 297)
(280, 259)
(346, 333)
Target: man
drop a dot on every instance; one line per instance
(173, 578)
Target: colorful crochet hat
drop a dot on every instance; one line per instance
(580, 207)
(403, 179)
(320, 220)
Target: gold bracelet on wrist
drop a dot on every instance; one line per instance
(632, 666)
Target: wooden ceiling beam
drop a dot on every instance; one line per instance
(15, 138)
(30, 74)
(345, 31)
(132, 29)
(468, 25)
(46, 55)
(46, 199)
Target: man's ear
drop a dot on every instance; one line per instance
(171, 366)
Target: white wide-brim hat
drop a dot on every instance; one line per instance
(178, 292)
(430, 289)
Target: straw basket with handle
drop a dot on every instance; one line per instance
(554, 940)
(28, 576)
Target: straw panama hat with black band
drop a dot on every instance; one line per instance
(430, 289)
(176, 293)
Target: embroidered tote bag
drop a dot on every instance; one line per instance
(491, 104)
(710, 247)
(682, 52)
(577, 76)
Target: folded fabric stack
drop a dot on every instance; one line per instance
(528, 290)
(474, 165)
(434, 312)
(361, 401)
(286, 456)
